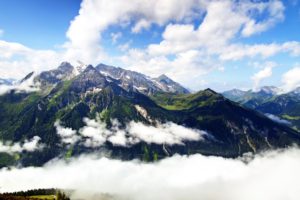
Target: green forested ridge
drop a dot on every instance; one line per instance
(283, 105)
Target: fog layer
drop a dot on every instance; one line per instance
(271, 176)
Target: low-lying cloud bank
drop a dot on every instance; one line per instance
(28, 145)
(278, 119)
(96, 133)
(271, 176)
(25, 86)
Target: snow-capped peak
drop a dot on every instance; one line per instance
(270, 90)
(80, 68)
(296, 91)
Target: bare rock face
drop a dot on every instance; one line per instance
(90, 79)
(130, 80)
(64, 72)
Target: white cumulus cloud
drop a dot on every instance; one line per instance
(262, 74)
(95, 16)
(291, 79)
(200, 49)
(17, 60)
(241, 51)
(25, 86)
(68, 135)
(95, 133)
(28, 145)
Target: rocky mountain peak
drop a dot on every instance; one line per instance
(65, 71)
(65, 67)
(134, 80)
(269, 90)
(210, 91)
(88, 80)
(297, 90)
(28, 76)
(164, 78)
(91, 69)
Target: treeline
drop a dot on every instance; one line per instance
(31, 195)
(11, 197)
(34, 192)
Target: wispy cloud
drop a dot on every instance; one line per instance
(291, 79)
(266, 72)
(115, 37)
(28, 145)
(25, 86)
(67, 135)
(278, 119)
(95, 133)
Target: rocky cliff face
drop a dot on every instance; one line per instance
(64, 72)
(135, 81)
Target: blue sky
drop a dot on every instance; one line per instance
(37, 24)
(199, 43)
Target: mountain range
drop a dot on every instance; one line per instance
(139, 82)
(6, 81)
(272, 101)
(127, 115)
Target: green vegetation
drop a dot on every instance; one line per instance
(12, 106)
(43, 197)
(155, 156)
(69, 153)
(288, 117)
(63, 90)
(16, 103)
(104, 115)
(6, 160)
(146, 155)
(185, 101)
